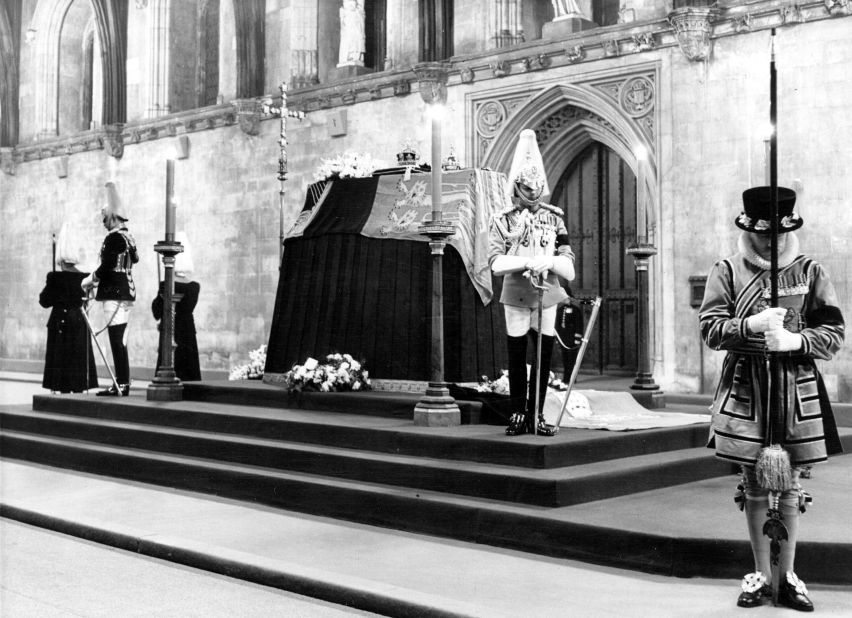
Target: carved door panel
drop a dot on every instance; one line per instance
(598, 195)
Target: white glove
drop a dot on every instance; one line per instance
(768, 319)
(782, 340)
(88, 283)
(540, 264)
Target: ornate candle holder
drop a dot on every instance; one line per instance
(166, 386)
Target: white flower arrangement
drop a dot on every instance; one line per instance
(498, 385)
(340, 372)
(348, 165)
(501, 385)
(253, 370)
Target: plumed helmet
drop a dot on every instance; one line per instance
(527, 165)
(113, 207)
(184, 265)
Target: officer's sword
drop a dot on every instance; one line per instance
(596, 305)
(103, 356)
(538, 283)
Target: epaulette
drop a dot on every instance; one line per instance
(554, 209)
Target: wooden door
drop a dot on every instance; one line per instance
(598, 195)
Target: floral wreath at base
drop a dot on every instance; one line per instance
(501, 385)
(252, 370)
(340, 372)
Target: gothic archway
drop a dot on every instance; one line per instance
(110, 17)
(571, 120)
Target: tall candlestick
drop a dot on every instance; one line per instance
(170, 203)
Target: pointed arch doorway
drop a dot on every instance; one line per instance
(597, 193)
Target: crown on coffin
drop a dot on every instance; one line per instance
(407, 156)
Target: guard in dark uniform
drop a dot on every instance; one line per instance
(528, 247)
(116, 289)
(569, 332)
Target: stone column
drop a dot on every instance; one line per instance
(304, 70)
(401, 34)
(506, 25)
(159, 62)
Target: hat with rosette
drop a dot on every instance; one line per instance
(757, 211)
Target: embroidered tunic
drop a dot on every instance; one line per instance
(519, 231)
(737, 289)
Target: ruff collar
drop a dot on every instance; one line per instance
(785, 258)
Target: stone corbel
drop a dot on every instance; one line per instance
(7, 160)
(742, 24)
(111, 140)
(349, 97)
(500, 68)
(575, 54)
(610, 48)
(837, 7)
(248, 115)
(644, 42)
(693, 27)
(791, 14)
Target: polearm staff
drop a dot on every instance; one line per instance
(773, 465)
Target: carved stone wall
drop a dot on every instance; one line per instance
(633, 93)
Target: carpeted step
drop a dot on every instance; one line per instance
(553, 532)
(482, 443)
(526, 528)
(549, 487)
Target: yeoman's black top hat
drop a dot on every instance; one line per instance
(757, 211)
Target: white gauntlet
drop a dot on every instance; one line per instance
(768, 319)
(782, 340)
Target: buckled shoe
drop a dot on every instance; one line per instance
(517, 424)
(755, 590)
(793, 593)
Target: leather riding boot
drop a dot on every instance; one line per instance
(517, 347)
(538, 388)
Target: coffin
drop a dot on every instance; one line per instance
(356, 278)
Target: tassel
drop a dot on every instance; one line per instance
(773, 469)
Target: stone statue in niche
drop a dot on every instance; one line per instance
(352, 34)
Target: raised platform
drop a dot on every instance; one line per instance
(652, 500)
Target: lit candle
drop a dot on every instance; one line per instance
(170, 202)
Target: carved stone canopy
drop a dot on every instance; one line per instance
(693, 26)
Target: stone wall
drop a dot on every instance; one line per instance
(710, 138)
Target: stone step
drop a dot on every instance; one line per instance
(480, 443)
(543, 487)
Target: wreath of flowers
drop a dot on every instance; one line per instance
(501, 385)
(498, 385)
(348, 165)
(252, 370)
(339, 372)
